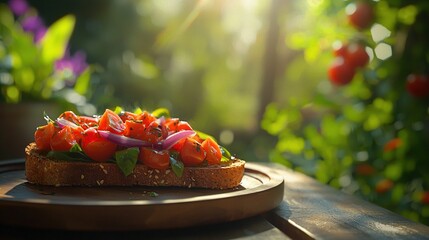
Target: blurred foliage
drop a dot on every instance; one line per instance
(28, 70)
(370, 137)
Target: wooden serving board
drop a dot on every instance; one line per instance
(132, 208)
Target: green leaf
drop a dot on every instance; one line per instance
(225, 153)
(204, 136)
(161, 112)
(177, 167)
(76, 148)
(55, 41)
(127, 159)
(82, 82)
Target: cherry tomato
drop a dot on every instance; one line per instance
(70, 116)
(110, 121)
(340, 49)
(214, 155)
(340, 72)
(134, 129)
(365, 169)
(192, 153)
(154, 133)
(425, 198)
(175, 125)
(392, 144)
(96, 147)
(418, 85)
(124, 115)
(154, 159)
(43, 136)
(357, 55)
(63, 140)
(384, 186)
(360, 15)
(146, 117)
(87, 122)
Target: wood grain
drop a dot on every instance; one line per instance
(314, 210)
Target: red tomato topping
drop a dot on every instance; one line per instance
(146, 118)
(214, 155)
(110, 121)
(97, 148)
(128, 116)
(192, 153)
(43, 136)
(154, 159)
(134, 129)
(63, 140)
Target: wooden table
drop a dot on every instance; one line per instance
(310, 210)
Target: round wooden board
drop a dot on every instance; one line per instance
(132, 208)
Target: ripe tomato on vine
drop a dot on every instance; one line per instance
(360, 14)
(418, 85)
(341, 72)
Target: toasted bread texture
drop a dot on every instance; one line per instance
(54, 172)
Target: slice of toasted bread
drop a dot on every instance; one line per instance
(41, 170)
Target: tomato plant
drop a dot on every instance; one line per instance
(418, 85)
(97, 148)
(154, 159)
(192, 153)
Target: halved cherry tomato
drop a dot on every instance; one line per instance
(192, 153)
(134, 129)
(124, 115)
(110, 121)
(87, 122)
(214, 154)
(178, 146)
(70, 116)
(43, 136)
(97, 148)
(154, 133)
(146, 117)
(154, 159)
(175, 125)
(63, 140)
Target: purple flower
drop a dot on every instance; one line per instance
(18, 7)
(34, 25)
(77, 63)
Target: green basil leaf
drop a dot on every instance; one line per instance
(204, 136)
(225, 153)
(177, 167)
(68, 156)
(161, 112)
(76, 148)
(127, 159)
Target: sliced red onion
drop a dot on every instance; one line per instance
(132, 142)
(176, 137)
(127, 141)
(61, 122)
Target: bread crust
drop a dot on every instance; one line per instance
(44, 171)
